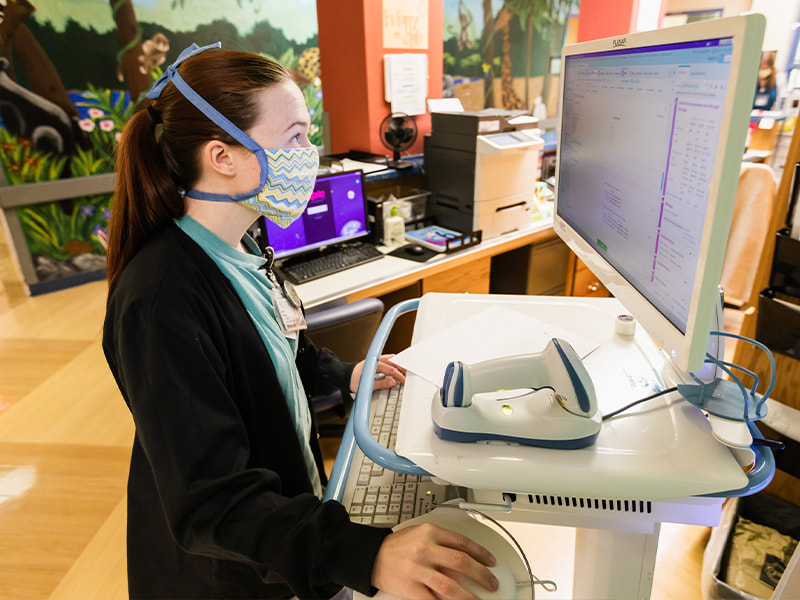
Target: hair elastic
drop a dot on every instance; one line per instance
(154, 115)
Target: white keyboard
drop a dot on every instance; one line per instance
(376, 496)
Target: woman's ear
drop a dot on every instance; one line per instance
(219, 157)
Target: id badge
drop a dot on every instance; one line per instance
(288, 312)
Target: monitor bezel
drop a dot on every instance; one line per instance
(313, 248)
(685, 351)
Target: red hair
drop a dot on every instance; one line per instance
(151, 168)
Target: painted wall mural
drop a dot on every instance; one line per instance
(72, 72)
(504, 53)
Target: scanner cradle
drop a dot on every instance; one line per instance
(541, 399)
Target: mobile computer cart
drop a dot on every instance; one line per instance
(658, 463)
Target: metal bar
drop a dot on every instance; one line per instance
(12, 196)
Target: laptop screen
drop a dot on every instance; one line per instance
(336, 213)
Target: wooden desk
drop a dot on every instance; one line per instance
(465, 271)
(395, 279)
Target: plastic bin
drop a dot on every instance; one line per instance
(785, 275)
(411, 202)
(760, 508)
(778, 322)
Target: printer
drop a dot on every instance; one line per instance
(481, 168)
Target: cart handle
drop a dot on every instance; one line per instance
(357, 429)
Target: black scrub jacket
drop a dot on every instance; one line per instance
(219, 500)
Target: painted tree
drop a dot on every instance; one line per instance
(547, 18)
(487, 43)
(17, 41)
(530, 14)
(129, 42)
(555, 18)
(502, 24)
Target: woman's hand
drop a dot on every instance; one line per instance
(393, 374)
(426, 562)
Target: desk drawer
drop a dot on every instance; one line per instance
(586, 283)
(472, 277)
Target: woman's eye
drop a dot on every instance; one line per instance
(296, 138)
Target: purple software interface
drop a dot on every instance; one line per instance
(336, 213)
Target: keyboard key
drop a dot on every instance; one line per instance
(386, 520)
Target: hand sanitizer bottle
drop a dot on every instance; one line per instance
(394, 229)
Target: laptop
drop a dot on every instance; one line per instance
(330, 236)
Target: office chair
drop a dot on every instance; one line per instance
(750, 233)
(347, 329)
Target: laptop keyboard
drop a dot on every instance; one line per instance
(377, 496)
(333, 261)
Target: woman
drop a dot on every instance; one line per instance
(223, 491)
(766, 88)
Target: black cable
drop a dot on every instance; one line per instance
(632, 404)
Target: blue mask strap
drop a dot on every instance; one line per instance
(171, 74)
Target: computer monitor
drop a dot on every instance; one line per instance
(336, 212)
(651, 139)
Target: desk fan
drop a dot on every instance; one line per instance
(398, 132)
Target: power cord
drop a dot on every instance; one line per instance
(632, 404)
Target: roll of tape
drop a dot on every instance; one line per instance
(625, 325)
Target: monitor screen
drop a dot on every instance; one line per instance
(336, 212)
(651, 139)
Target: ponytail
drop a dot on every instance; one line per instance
(145, 197)
(151, 168)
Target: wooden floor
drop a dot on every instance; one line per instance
(65, 437)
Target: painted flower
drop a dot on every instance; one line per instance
(106, 214)
(86, 124)
(86, 211)
(312, 112)
(107, 125)
(95, 113)
(318, 93)
(118, 136)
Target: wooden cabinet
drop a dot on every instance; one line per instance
(472, 277)
(582, 282)
(539, 269)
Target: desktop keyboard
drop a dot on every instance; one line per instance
(376, 496)
(332, 261)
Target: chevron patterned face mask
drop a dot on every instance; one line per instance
(291, 173)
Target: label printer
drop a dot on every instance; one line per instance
(481, 168)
